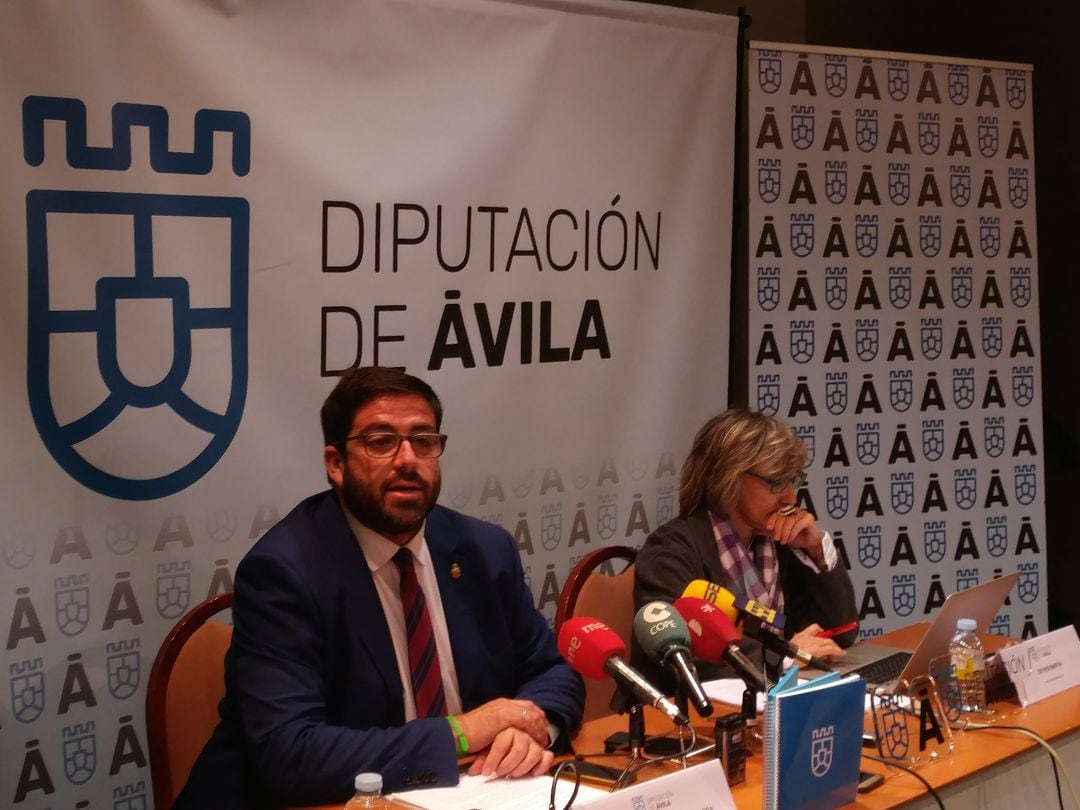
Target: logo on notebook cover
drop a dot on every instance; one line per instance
(821, 750)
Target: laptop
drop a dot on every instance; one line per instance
(883, 666)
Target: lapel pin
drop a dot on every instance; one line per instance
(455, 571)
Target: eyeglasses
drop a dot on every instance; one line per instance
(385, 445)
(777, 485)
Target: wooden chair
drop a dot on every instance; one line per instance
(187, 681)
(609, 598)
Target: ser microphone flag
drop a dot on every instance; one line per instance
(751, 621)
(733, 605)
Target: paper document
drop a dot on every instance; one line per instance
(730, 690)
(476, 793)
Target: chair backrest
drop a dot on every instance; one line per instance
(589, 591)
(187, 681)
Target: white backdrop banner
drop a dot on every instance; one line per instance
(211, 209)
(894, 316)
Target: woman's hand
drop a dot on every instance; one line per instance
(795, 527)
(808, 639)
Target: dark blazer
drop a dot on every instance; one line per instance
(313, 695)
(684, 549)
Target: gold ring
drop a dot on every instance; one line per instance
(524, 712)
(790, 509)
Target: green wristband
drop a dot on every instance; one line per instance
(459, 735)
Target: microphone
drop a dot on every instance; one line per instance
(714, 637)
(595, 650)
(756, 628)
(662, 633)
(751, 616)
(734, 606)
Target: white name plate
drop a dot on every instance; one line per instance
(1044, 665)
(700, 787)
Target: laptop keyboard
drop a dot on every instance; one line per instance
(884, 670)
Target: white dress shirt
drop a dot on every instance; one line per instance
(379, 553)
(828, 549)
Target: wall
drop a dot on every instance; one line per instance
(1043, 35)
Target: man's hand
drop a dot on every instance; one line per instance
(484, 723)
(513, 753)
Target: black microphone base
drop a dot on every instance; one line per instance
(663, 746)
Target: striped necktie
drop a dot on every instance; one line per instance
(423, 656)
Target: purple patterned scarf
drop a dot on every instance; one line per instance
(752, 573)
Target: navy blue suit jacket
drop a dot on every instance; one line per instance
(313, 694)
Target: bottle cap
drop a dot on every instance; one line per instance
(368, 782)
(967, 625)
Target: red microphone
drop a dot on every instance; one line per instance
(713, 637)
(595, 650)
(756, 621)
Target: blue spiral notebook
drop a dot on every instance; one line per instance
(813, 742)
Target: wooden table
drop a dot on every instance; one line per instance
(986, 769)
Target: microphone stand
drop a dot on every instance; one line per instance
(755, 732)
(664, 748)
(749, 710)
(635, 741)
(683, 702)
(636, 734)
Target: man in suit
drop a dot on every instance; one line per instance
(351, 655)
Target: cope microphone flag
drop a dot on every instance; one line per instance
(596, 651)
(663, 635)
(753, 618)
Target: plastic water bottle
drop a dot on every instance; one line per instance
(368, 792)
(968, 666)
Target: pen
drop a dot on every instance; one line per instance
(835, 631)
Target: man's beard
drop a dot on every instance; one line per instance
(370, 509)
